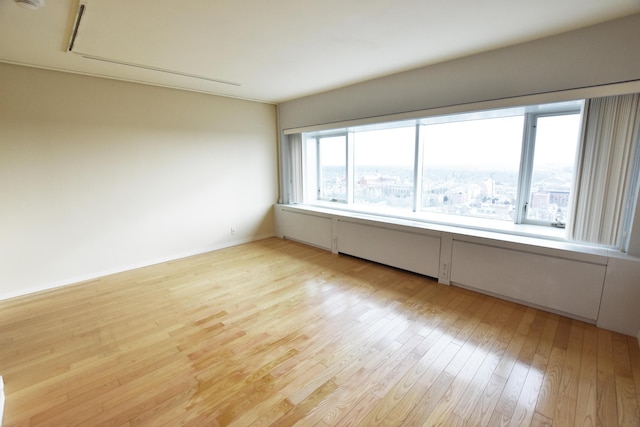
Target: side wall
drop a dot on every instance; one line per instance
(620, 307)
(98, 176)
(601, 54)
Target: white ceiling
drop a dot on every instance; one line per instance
(278, 50)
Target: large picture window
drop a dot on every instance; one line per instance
(554, 148)
(383, 167)
(510, 165)
(470, 167)
(564, 170)
(332, 168)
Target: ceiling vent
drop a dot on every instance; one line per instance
(30, 4)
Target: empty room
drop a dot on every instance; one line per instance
(328, 213)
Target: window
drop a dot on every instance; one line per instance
(530, 170)
(471, 167)
(384, 168)
(553, 169)
(332, 168)
(514, 165)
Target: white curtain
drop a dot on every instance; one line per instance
(605, 160)
(295, 152)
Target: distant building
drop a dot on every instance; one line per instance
(457, 198)
(559, 198)
(489, 188)
(539, 200)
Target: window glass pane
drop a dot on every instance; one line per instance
(383, 167)
(332, 168)
(553, 168)
(471, 167)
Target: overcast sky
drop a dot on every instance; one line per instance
(496, 142)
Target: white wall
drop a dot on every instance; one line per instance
(98, 176)
(620, 306)
(600, 60)
(601, 54)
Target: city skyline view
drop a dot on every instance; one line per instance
(469, 168)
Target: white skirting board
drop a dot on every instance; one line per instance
(120, 269)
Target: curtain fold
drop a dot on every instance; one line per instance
(610, 134)
(295, 150)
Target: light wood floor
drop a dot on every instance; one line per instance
(278, 333)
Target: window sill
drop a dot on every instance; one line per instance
(504, 231)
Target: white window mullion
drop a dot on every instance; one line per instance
(318, 170)
(294, 172)
(310, 172)
(350, 168)
(417, 173)
(633, 193)
(526, 166)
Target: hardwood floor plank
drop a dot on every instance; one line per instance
(549, 334)
(474, 392)
(453, 421)
(269, 417)
(510, 326)
(586, 406)
(498, 419)
(399, 401)
(141, 404)
(395, 368)
(527, 320)
(436, 342)
(301, 409)
(628, 410)
(333, 407)
(540, 420)
(526, 404)
(517, 376)
(561, 340)
(510, 357)
(607, 414)
(484, 407)
(356, 413)
(346, 398)
(429, 401)
(548, 397)
(571, 368)
(565, 413)
(482, 345)
(468, 322)
(634, 356)
(279, 333)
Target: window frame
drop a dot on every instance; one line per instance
(527, 162)
(318, 179)
(525, 171)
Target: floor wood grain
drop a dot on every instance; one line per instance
(278, 333)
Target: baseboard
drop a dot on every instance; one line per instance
(97, 275)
